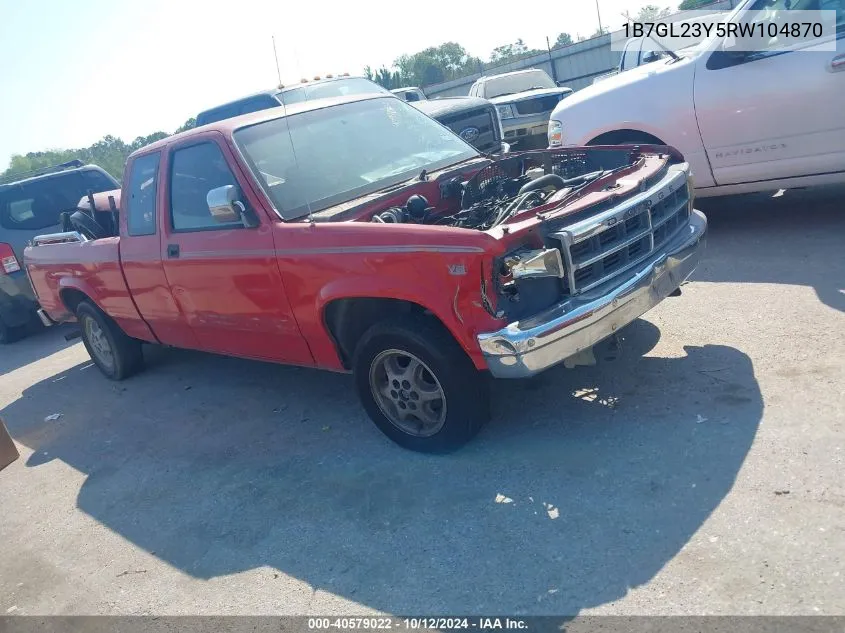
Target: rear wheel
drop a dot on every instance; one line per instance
(117, 355)
(418, 385)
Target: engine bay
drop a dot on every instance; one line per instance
(509, 187)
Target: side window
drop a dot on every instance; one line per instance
(195, 171)
(773, 15)
(141, 206)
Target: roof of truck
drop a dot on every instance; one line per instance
(228, 126)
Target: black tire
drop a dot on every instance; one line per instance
(466, 397)
(126, 355)
(10, 334)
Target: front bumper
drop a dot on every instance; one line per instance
(527, 347)
(526, 128)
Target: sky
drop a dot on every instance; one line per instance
(73, 71)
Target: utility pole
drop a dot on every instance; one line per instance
(551, 61)
(598, 13)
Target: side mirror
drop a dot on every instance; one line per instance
(561, 84)
(226, 207)
(728, 47)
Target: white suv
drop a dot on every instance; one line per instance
(745, 122)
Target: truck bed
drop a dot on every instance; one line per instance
(59, 272)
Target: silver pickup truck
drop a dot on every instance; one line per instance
(524, 100)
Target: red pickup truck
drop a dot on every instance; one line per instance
(356, 234)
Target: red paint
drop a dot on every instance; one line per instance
(262, 292)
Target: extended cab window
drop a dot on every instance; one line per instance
(141, 206)
(195, 171)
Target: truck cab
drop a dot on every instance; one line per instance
(420, 265)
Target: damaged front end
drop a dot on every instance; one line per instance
(589, 256)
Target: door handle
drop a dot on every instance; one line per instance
(837, 63)
(173, 251)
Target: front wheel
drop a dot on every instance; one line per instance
(117, 355)
(418, 385)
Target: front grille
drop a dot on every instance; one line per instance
(599, 249)
(537, 105)
(482, 119)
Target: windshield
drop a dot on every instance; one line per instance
(323, 157)
(334, 88)
(511, 84)
(36, 204)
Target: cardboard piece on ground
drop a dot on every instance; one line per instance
(8, 451)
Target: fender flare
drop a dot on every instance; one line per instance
(79, 285)
(382, 287)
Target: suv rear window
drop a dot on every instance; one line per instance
(36, 204)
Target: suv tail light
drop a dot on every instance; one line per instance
(8, 262)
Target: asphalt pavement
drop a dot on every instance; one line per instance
(698, 469)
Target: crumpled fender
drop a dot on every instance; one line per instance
(446, 301)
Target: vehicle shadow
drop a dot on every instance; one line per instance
(37, 345)
(795, 239)
(584, 485)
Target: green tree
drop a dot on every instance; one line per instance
(564, 39)
(387, 78)
(436, 64)
(109, 152)
(511, 52)
(597, 33)
(650, 13)
(187, 125)
(692, 4)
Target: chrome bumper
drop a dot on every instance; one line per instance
(527, 347)
(525, 127)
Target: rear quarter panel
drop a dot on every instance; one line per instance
(92, 268)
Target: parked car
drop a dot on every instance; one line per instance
(727, 111)
(409, 94)
(419, 265)
(30, 204)
(524, 100)
(474, 120)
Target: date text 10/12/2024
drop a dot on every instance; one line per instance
(417, 623)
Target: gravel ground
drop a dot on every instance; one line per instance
(697, 472)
